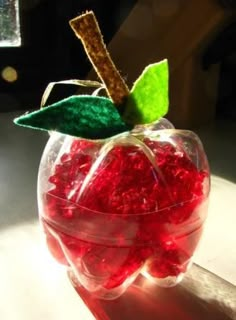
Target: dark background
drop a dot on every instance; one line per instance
(51, 52)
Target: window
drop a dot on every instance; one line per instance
(9, 23)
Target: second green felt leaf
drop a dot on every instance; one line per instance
(148, 100)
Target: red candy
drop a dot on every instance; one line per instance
(125, 186)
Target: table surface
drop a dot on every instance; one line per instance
(34, 286)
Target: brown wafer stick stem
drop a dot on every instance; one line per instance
(86, 28)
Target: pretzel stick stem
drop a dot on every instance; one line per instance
(87, 30)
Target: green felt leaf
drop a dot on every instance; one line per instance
(84, 116)
(148, 100)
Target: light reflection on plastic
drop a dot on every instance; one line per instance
(9, 23)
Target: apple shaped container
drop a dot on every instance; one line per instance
(117, 207)
(120, 190)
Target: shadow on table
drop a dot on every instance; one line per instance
(206, 297)
(20, 153)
